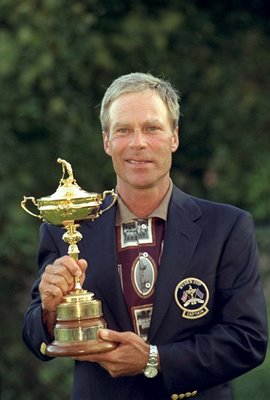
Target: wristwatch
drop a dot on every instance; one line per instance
(151, 369)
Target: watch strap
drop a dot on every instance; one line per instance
(152, 363)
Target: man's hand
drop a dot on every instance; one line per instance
(58, 280)
(129, 358)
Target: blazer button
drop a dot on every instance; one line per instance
(43, 348)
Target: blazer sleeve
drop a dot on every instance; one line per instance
(34, 332)
(236, 341)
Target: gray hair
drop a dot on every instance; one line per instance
(138, 82)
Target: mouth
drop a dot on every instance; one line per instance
(138, 162)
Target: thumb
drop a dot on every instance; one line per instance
(82, 264)
(108, 334)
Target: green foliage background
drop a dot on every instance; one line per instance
(56, 59)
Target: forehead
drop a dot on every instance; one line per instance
(147, 103)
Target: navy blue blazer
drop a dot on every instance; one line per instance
(209, 247)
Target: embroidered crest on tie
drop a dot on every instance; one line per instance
(139, 251)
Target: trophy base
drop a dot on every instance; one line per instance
(72, 349)
(79, 319)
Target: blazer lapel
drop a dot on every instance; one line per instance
(100, 246)
(181, 237)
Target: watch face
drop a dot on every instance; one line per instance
(150, 372)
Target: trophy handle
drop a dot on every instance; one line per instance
(23, 205)
(106, 193)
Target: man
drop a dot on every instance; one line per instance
(178, 276)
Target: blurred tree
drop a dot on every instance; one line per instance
(56, 59)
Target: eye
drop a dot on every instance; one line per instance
(152, 128)
(121, 132)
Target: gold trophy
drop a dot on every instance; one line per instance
(79, 315)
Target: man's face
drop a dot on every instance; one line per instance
(140, 141)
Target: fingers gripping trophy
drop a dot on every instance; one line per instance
(79, 316)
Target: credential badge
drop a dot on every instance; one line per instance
(192, 296)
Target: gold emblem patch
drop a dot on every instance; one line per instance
(192, 296)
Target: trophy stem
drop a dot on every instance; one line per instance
(72, 237)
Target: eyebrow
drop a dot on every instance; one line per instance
(121, 124)
(153, 122)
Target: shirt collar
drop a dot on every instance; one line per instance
(124, 215)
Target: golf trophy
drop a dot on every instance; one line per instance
(79, 316)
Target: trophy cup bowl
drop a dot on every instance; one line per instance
(79, 316)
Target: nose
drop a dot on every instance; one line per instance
(137, 140)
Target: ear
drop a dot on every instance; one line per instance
(106, 143)
(175, 139)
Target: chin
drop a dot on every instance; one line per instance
(142, 185)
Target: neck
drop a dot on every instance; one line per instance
(142, 202)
